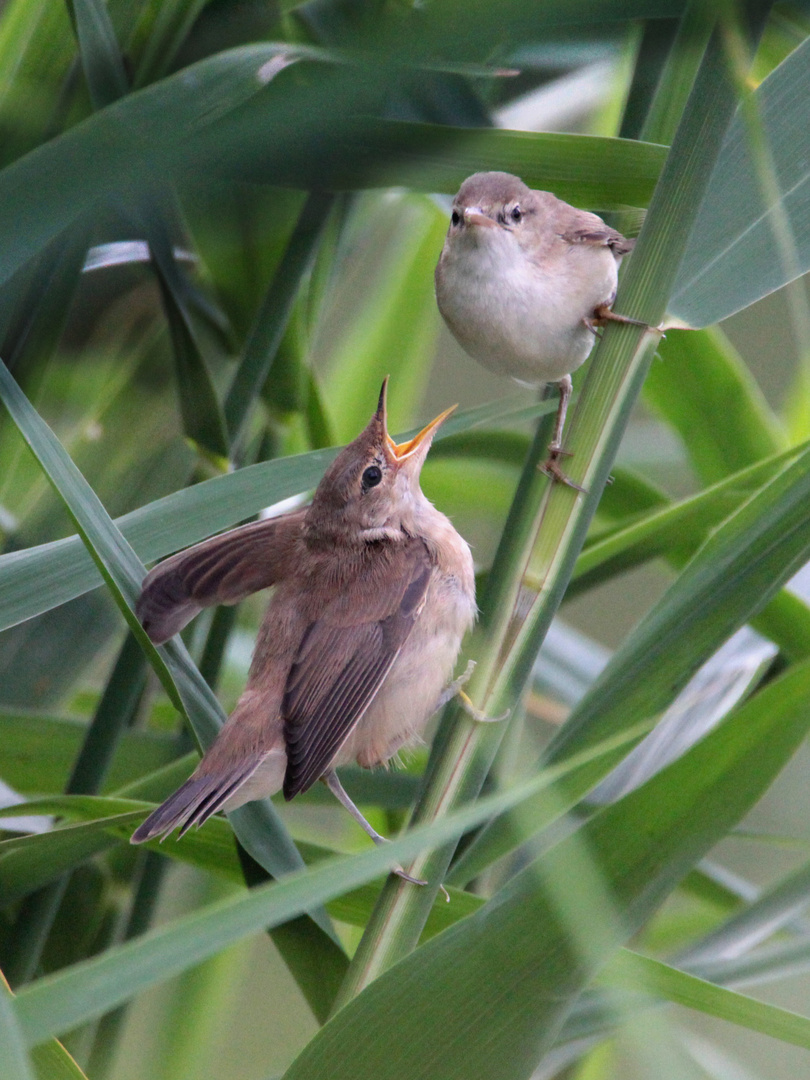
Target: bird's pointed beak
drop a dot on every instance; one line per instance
(402, 451)
(474, 215)
(381, 414)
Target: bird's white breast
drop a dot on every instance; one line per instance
(518, 316)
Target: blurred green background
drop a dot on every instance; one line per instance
(290, 169)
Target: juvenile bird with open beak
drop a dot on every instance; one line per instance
(374, 591)
(523, 282)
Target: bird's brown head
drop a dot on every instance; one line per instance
(491, 200)
(371, 490)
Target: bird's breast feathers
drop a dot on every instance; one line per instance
(524, 316)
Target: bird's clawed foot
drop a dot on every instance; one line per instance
(407, 877)
(593, 326)
(604, 313)
(331, 780)
(455, 690)
(551, 467)
(477, 714)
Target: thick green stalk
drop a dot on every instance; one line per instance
(463, 754)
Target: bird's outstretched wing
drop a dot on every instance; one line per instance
(344, 657)
(222, 570)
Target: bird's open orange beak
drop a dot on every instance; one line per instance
(404, 450)
(401, 451)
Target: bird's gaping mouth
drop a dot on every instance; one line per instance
(400, 451)
(404, 450)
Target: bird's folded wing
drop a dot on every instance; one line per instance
(344, 658)
(599, 236)
(222, 570)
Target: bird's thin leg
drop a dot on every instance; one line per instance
(455, 686)
(455, 690)
(333, 783)
(551, 467)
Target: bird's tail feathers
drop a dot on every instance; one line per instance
(194, 802)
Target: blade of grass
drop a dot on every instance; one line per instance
(61, 1001)
(38, 752)
(98, 47)
(34, 921)
(772, 910)
(485, 1000)
(203, 418)
(14, 1061)
(635, 972)
(271, 320)
(701, 377)
(734, 255)
(677, 530)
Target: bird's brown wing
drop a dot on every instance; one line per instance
(344, 657)
(599, 236)
(222, 570)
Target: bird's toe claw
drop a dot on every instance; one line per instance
(477, 714)
(407, 877)
(551, 467)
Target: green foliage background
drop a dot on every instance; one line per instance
(218, 225)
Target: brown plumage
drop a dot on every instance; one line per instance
(374, 592)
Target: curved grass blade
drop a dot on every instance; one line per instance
(699, 378)
(59, 1002)
(203, 418)
(734, 255)
(674, 531)
(585, 170)
(271, 321)
(733, 575)
(714, 690)
(14, 1061)
(195, 122)
(736, 936)
(121, 148)
(49, 1061)
(487, 998)
(635, 972)
(210, 849)
(98, 47)
(38, 752)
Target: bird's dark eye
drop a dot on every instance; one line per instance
(371, 477)
(516, 214)
(455, 217)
